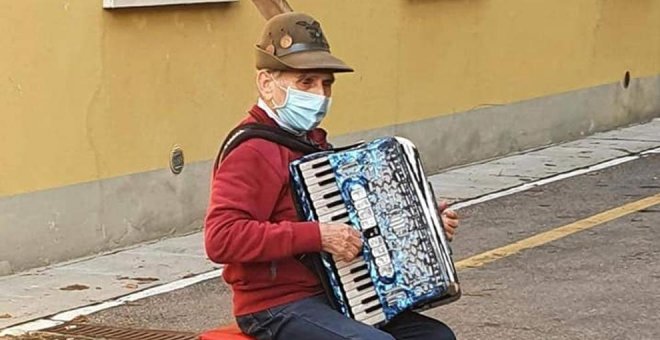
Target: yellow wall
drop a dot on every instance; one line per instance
(88, 94)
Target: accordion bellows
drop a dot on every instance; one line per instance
(381, 190)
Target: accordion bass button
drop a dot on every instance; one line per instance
(375, 241)
(369, 222)
(358, 192)
(361, 204)
(379, 251)
(382, 261)
(386, 271)
(366, 213)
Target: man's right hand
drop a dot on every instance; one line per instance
(340, 240)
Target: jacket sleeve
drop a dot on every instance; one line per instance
(244, 193)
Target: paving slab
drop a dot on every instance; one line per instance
(643, 132)
(500, 174)
(100, 278)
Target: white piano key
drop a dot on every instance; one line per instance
(321, 172)
(353, 287)
(364, 315)
(351, 278)
(310, 164)
(343, 264)
(359, 308)
(374, 319)
(322, 211)
(369, 292)
(353, 293)
(346, 270)
(337, 200)
(321, 168)
(334, 190)
(328, 219)
(314, 180)
(314, 188)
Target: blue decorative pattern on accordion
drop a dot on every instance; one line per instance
(387, 198)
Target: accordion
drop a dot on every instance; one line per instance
(380, 189)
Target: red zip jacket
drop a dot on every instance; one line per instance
(253, 228)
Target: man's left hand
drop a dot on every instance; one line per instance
(449, 220)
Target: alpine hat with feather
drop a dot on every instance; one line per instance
(295, 41)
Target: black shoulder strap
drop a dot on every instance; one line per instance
(267, 132)
(255, 130)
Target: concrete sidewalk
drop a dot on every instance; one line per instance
(171, 263)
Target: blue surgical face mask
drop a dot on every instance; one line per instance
(302, 111)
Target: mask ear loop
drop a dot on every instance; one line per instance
(286, 98)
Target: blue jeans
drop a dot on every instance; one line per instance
(313, 318)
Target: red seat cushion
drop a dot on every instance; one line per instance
(230, 332)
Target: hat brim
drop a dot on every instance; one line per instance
(308, 60)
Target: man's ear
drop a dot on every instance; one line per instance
(265, 85)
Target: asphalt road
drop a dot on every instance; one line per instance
(601, 283)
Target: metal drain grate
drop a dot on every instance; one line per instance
(119, 333)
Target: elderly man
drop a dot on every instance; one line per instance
(252, 225)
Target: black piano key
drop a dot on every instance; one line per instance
(364, 286)
(327, 181)
(324, 172)
(335, 203)
(320, 164)
(373, 308)
(340, 217)
(369, 299)
(332, 194)
(357, 269)
(362, 277)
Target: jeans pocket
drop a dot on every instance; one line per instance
(257, 325)
(247, 323)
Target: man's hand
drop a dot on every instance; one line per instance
(449, 220)
(340, 240)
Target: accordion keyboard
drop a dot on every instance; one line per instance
(380, 190)
(353, 276)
